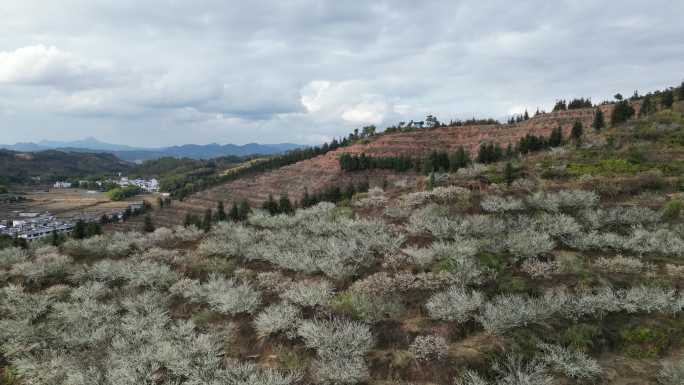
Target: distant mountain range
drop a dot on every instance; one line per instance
(132, 154)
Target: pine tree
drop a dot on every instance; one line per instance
(306, 199)
(647, 106)
(556, 137)
(599, 121)
(622, 111)
(681, 91)
(459, 159)
(576, 132)
(188, 220)
(284, 204)
(206, 222)
(270, 205)
(668, 99)
(509, 173)
(234, 214)
(220, 212)
(243, 210)
(526, 116)
(79, 230)
(92, 229)
(148, 226)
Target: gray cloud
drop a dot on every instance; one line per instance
(168, 72)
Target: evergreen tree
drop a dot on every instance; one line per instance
(599, 121)
(92, 229)
(509, 173)
(306, 199)
(148, 226)
(681, 91)
(284, 204)
(79, 231)
(220, 212)
(647, 106)
(188, 220)
(243, 210)
(622, 111)
(576, 132)
(459, 159)
(526, 116)
(234, 214)
(270, 205)
(668, 99)
(206, 222)
(556, 137)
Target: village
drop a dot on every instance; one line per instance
(145, 185)
(36, 225)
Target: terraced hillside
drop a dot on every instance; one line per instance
(317, 173)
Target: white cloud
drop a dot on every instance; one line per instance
(42, 65)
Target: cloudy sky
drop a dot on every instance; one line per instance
(154, 73)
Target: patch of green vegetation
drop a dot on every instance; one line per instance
(605, 167)
(583, 336)
(121, 193)
(496, 262)
(673, 209)
(644, 341)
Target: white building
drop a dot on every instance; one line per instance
(62, 185)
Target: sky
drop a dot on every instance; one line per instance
(155, 73)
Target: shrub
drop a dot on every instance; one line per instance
(538, 269)
(309, 293)
(426, 348)
(514, 371)
(507, 311)
(620, 264)
(529, 243)
(571, 363)
(497, 204)
(369, 307)
(673, 209)
(279, 318)
(341, 347)
(454, 304)
(223, 296)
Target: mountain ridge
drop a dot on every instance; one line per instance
(132, 154)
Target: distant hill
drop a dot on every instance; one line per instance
(51, 165)
(132, 154)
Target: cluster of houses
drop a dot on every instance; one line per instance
(151, 185)
(31, 226)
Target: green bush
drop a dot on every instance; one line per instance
(585, 337)
(121, 193)
(644, 341)
(673, 209)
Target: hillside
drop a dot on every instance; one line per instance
(51, 165)
(323, 171)
(566, 269)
